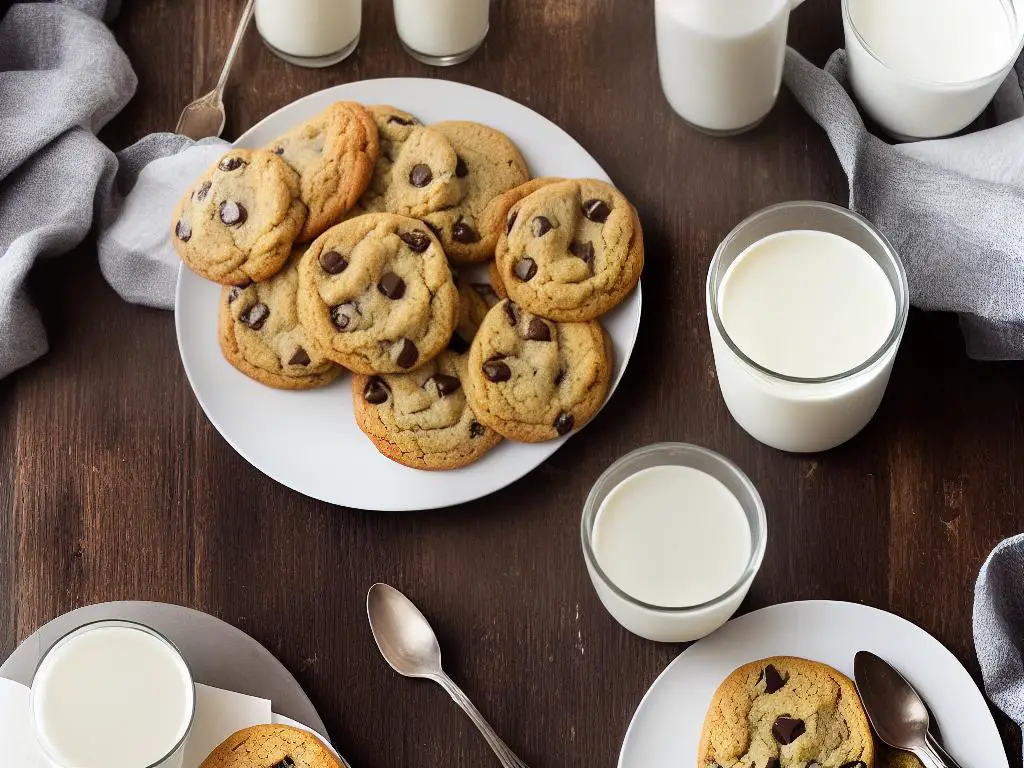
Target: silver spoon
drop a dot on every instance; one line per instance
(205, 116)
(409, 645)
(896, 711)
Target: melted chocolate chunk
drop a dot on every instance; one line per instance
(234, 293)
(564, 423)
(773, 762)
(854, 764)
(343, 315)
(392, 286)
(278, 150)
(787, 729)
(596, 210)
(511, 222)
(460, 168)
(420, 175)
(183, 230)
(287, 762)
(417, 241)
(476, 429)
(405, 354)
(511, 313)
(255, 316)
(376, 391)
(525, 269)
(463, 233)
(401, 120)
(233, 214)
(301, 357)
(333, 262)
(538, 330)
(583, 251)
(541, 225)
(497, 371)
(231, 163)
(773, 681)
(445, 384)
(202, 191)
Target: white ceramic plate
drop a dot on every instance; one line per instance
(309, 441)
(666, 727)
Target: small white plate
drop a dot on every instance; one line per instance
(309, 441)
(666, 727)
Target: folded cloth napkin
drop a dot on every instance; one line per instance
(999, 627)
(952, 208)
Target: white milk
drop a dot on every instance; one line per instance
(672, 536)
(721, 60)
(111, 696)
(809, 305)
(310, 29)
(442, 28)
(927, 68)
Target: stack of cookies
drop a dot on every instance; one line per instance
(336, 245)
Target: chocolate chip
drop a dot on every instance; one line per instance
(445, 384)
(401, 120)
(525, 269)
(278, 150)
(511, 222)
(596, 210)
(287, 762)
(559, 378)
(234, 293)
(301, 357)
(787, 729)
(458, 345)
(496, 371)
(405, 354)
(417, 241)
(854, 764)
(583, 251)
(183, 230)
(233, 214)
(773, 681)
(476, 429)
(202, 191)
(376, 391)
(564, 423)
(538, 330)
(541, 226)
(512, 313)
(392, 286)
(231, 163)
(460, 168)
(344, 314)
(333, 262)
(463, 233)
(773, 762)
(255, 316)
(420, 175)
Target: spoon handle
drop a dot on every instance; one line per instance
(945, 759)
(507, 757)
(243, 25)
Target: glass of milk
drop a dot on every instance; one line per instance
(113, 693)
(310, 33)
(927, 68)
(673, 536)
(442, 32)
(807, 303)
(721, 60)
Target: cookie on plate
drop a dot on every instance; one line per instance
(475, 301)
(532, 379)
(571, 250)
(376, 294)
(786, 712)
(489, 165)
(261, 336)
(422, 419)
(238, 222)
(334, 154)
(271, 746)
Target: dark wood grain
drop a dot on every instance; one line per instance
(113, 484)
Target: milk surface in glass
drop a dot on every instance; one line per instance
(309, 29)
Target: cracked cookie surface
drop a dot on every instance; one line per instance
(334, 155)
(376, 294)
(571, 250)
(786, 712)
(422, 419)
(260, 334)
(238, 222)
(271, 746)
(532, 379)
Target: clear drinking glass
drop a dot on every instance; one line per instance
(310, 33)
(109, 692)
(684, 623)
(442, 32)
(788, 412)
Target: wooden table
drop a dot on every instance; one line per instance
(113, 484)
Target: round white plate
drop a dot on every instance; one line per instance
(666, 727)
(309, 441)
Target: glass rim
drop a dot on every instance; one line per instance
(127, 623)
(902, 292)
(591, 507)
(973, 82)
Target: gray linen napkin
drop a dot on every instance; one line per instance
(952, 208)
(999, 627)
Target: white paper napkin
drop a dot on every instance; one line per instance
(219, 713)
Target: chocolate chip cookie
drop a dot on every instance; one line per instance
(475, 301)
(237, 223)
(421, 419)
(334, 154)
(376, 294)
(785, 712)
(261, 336)
(488, 165)
(571, 250)
(532, 379)
(271, 746)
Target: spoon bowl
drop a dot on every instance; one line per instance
(402, 633)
